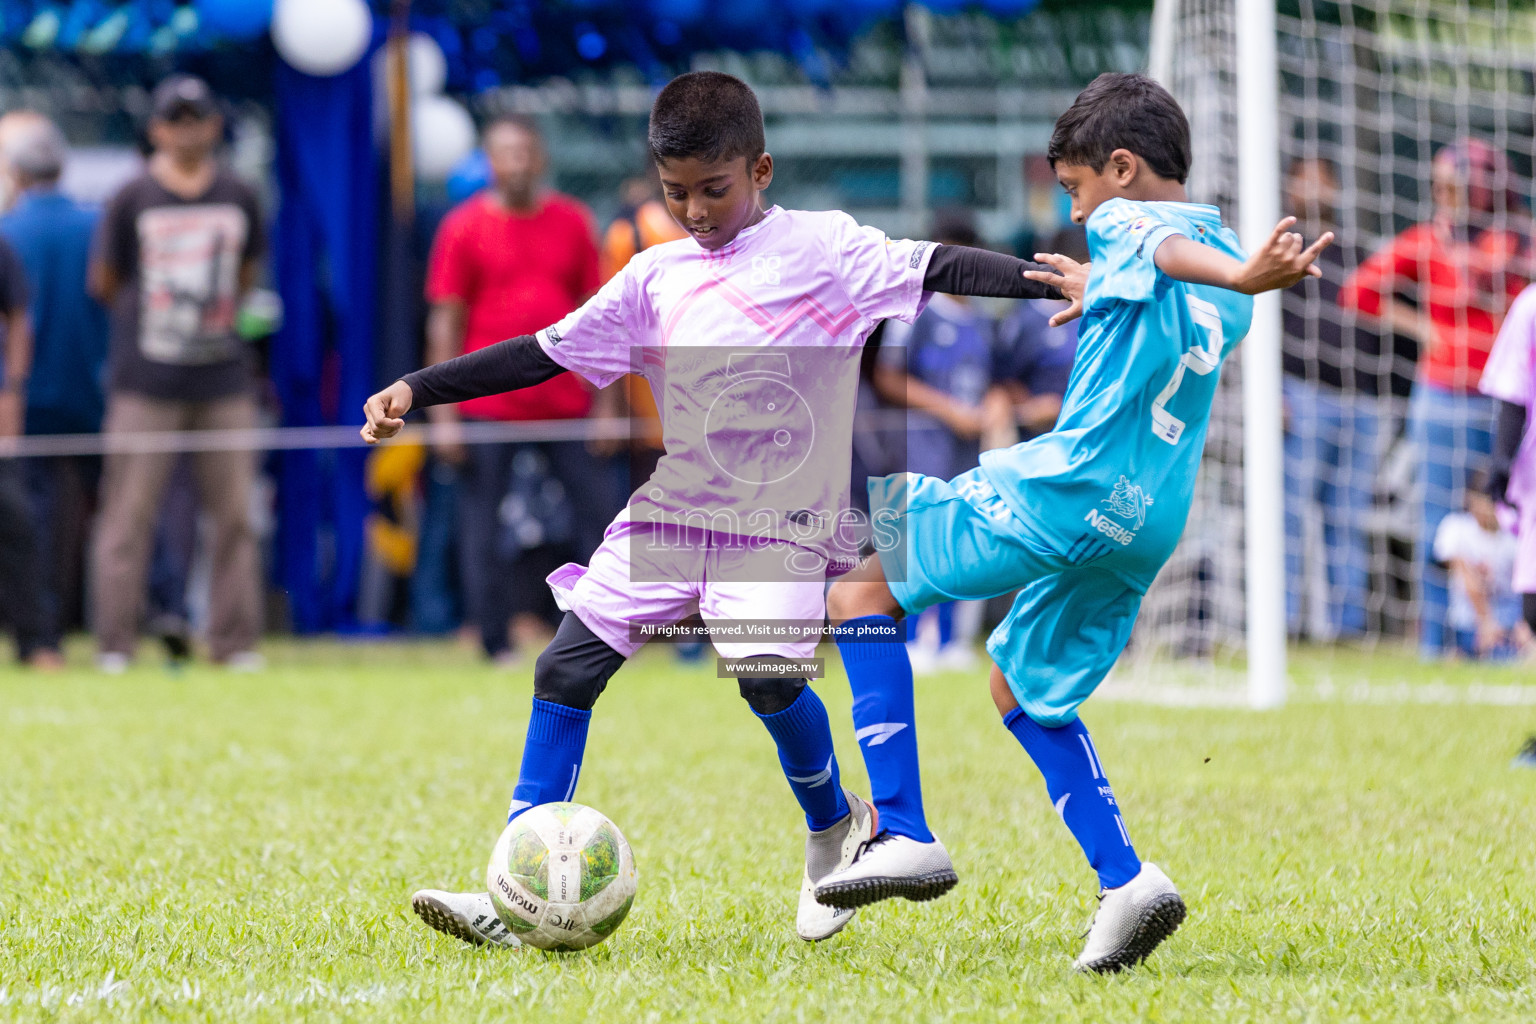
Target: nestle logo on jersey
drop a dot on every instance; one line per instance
(1128, 501)
(1108, 527)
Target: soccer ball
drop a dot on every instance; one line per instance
(562, 876)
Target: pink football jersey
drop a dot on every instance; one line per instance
(1510, 376)
(752, 352)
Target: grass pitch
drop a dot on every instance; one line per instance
(209, 846)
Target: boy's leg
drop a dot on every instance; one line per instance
(568, 677)
(837, 821)
(749, 584)
(1061, 639)
(880, 675)
(1076, 784)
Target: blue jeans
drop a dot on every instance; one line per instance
(1332, 451)
(1453, 435)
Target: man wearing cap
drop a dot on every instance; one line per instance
(51, 234)
(175, 252)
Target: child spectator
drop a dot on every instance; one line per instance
(1479, 554)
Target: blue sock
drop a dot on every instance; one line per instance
(804, 738)
(1080, 790)
(881, 678)
(557, 737)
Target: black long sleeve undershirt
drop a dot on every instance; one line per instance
(962, 270)
(1506, 445)
(521, 362)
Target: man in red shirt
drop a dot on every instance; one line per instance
(512, 260)
(1447, 282)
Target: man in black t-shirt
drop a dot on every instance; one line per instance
(1340, 380)
(176, 252)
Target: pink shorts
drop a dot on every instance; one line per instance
(635, 581)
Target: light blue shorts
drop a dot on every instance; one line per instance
(957, 540)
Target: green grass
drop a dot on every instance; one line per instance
(243, 848)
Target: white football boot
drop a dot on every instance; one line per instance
(890, 865)
(828, 851)
(464, 915)
(1131, 922)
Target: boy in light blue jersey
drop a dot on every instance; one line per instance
(1078, 520)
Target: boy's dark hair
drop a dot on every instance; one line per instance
(708, 115)
(1123, 111)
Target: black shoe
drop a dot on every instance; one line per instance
(1527, 756)
(173, 633)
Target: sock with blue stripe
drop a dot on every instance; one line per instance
(552, 752)
(1080, 790)
(804, 738)
(883, 721)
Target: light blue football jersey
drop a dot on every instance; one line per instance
(1112, 484)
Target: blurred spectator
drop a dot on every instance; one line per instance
(176, 251)
(1479, 552)
(510, 261)
(1340, 380)
(51, 234)
(643, 221)
(20, 599)
(939, 368)
(1447, 283)
(1034, 359)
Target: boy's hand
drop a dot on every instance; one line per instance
(1071, 280)
(1281, 261)
(385, 412)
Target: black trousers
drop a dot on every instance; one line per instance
(21, 579)
(497, 587)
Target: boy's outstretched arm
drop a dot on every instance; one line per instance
(520, 362)
(1279, 263)
(965, 270)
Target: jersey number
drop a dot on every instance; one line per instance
(1165, 424)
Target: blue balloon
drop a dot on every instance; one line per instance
(234, 19)
(469, 176)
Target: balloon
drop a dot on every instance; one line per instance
(234, 19)
(469, 176)
(429, 68)
(322, 37)
(442, 133)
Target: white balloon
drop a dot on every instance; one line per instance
(429, 68)
(442, 133)
(321, 37)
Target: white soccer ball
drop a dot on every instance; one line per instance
(562, 876)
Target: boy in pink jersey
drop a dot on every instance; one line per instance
(1510, 377)
(749, 333)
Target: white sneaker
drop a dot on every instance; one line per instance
(890, 865)
(826, 852)
(113, 663)
(958, 657)
(246, 662)
(464, 915)
(1131, 922)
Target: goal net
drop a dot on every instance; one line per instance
(1393, 118)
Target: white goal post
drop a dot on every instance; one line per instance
(1258, 208)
